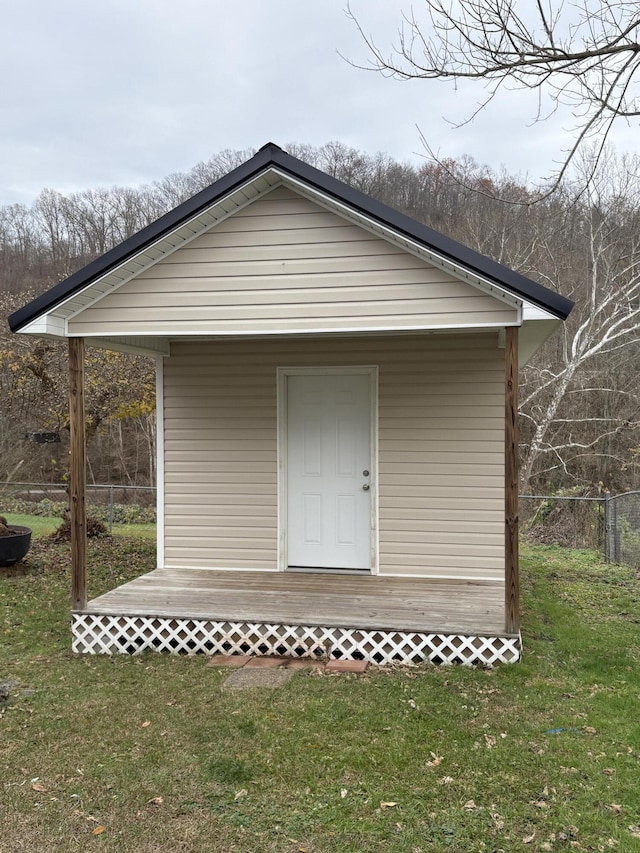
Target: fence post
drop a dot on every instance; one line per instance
(617, 550)
(608, 528)
(110, 509)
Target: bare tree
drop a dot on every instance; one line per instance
(605, 269)
(583, 55)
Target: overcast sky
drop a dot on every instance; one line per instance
(128, 91)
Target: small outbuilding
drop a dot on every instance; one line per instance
(337, 424)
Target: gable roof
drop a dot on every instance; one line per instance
(271, 157)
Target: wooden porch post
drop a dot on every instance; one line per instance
(511, 483)
(78, 475)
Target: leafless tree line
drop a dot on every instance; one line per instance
(580, 396)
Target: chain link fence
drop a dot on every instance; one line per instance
(622, 528)
(607, 523)
(569, 521)
(111, 504)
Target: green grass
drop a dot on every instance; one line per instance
(543, 755)
(40, 526)
(43, 525)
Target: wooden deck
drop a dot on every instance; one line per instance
(364, 602)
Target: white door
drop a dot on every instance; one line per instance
(328, 465)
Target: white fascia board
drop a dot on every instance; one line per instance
(206, 334)
(46, 325)
(457, 270)
(53, 327)
(533, 312)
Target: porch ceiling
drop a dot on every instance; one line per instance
(312, 598)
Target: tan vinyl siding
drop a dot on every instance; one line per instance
(441, 434)
(285, 264)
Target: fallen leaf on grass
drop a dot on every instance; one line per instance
(608, 771)
(39, 787)
(435, 760)
(469, 805)
(98, 830)
(634, 829)
(589, 730)
(387, 805)
(528, 838)
(343, 793)
(615, 808)
(156, 801)
(239, 794)
(446, 780)
(146, 724)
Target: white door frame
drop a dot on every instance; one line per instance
(283, 374)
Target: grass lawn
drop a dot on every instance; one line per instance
(43, 525)
(40, 525)
(151, 753)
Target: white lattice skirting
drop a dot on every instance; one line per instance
(104, 634)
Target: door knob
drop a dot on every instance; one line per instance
(366, 487)
(365, 473)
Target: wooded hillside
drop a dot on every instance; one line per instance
(580, 409)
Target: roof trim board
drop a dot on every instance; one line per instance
(252, 179)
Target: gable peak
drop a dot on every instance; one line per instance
(271, 146)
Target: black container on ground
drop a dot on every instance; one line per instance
(14, 547)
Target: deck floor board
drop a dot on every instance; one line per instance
(312, 598)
